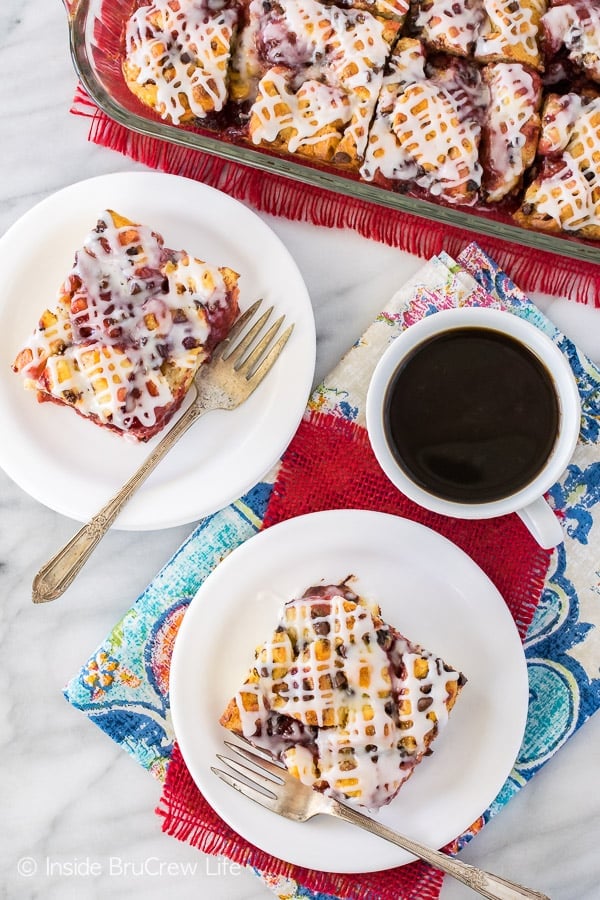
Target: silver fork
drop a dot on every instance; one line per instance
(272, 786)
(234, 373)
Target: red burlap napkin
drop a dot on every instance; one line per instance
(330, 465)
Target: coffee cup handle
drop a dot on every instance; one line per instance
(540, 520)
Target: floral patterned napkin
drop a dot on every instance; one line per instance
(123, 687)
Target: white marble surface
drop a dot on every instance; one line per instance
(74, 809)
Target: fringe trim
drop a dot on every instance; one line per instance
(183, 820)
(533, 270)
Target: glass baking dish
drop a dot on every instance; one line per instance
(95, 29)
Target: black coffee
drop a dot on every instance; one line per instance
(471, 415)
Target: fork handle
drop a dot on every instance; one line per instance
(57, 574)
(484, 883)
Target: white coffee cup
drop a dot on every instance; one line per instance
(527, 501)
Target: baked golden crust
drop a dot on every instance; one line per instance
(572, 28)
(133, 322)
(312, 73)
(511, 129)
(426, 128)
(565, 195)
(344, 700)
(177, 57)
(385, 9)
(296, 121)
(449, 26)
(511, 32)
(428, 124)
(436, 98)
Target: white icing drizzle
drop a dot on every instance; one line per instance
(427, 123)
(508, 27)
(560, 116)
(356, 704)
(127, 307)
(394, 9)
(565, 196)
(569, 193)
(182, 49)
(383, 153)
(406, 65)
(315, 108)
(432, 686)
(577, 27)
(450, 24)
(53, 335)
(427, 127)
(514, 99)
(345, 49)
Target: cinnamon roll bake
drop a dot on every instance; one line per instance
(348, 703)
(133, 322)
(438, 99)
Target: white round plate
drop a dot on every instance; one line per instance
(428, 589)
(73, 466)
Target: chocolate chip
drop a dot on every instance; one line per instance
(341, 681)
(424, 703)
(319, 610)
(384, 638)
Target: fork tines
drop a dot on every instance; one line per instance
(249, 358)
(257, 782)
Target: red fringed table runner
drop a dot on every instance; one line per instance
(533, 270)
(188, 817)
(330, 465)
